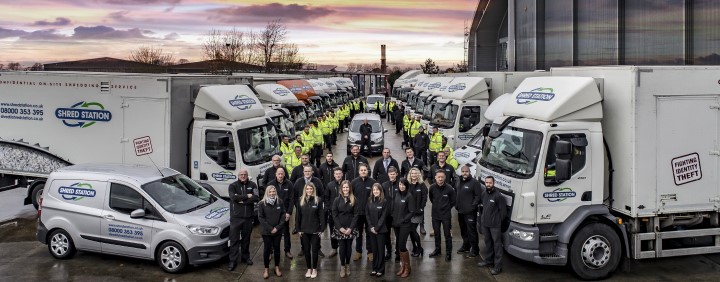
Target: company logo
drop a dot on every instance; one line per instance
(456, 87)
(296, 89)
(224, 176)
(307, 87)
(462, 155)
(434, 85)
(242, 102)
(465, 136)
(559, 195)
(77, 191)
(83, 114)
(281, 91)
(329, 84)
(443, 88)
(535, 95)
(216, 213)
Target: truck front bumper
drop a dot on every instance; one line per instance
(529, 250)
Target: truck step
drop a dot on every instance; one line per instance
(552, 259)
(545, 237)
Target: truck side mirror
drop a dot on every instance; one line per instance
(563, 149)
(563, 162)
(223, 157)
(224, 142)
(486, 130)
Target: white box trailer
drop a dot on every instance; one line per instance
(604, 162)
(207, 127)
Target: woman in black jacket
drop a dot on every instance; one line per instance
(271, 213)
(377, 212)
(345, 215)
(404, 208)
(310, 222)
(420, 193)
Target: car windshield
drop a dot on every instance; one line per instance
(427, 111)
(513, 153)
(284, 126)
(355, 125)
(444, 115)
(178, 194)
(258, 144)
(372, 100)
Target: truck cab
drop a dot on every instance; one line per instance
(296, 87)
(281, 106)
(426, 100)
(457, 113)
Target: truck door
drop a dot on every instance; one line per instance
(218, 159)
(558, 199)
(122, 234)
(687, 152)
(143, 118)
(468, 124)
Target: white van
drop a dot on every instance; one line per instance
(133, 210)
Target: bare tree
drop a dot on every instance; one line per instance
(1, 66)
(36, 67)
(14, 66)
(288, 57)
(182, 61)
(352, 67)
(151, 55)
(269, 40)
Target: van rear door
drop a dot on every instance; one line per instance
(121, 234)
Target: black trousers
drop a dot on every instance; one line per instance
(286, 237)
(415, 237)
(377, 243)
(468, 231)
(345, 246)
(493, 246)
(317, 152)
(388, 242)
(328, 143)
(446, 226)
(406, 139)
(432, 157)
(364, 146)
(403, 234)
(271, 246)
(422, 155)
(311, 248)
(398, 127)
(361, 227)
(240, 230)
(331, 225)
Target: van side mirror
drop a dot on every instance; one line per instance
(385, 130)
(138, 213)
(223, 157)
(224, 142)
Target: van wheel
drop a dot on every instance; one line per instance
(172, 257)
(37, 191)
(595, 251)
(61, 245)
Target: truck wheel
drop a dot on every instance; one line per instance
(37, 191)
(61, 245)
(595, 251)
(172, 257)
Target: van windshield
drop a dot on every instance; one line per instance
(372, 100)
(178, 194)
(258, 144)
(355, 125)
(444, 115)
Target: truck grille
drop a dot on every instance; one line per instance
(225, 233)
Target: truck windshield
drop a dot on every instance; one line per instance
(444, 115)
(178, 194)
(284, 126)
(258, 144)
(299, 117)
(326, 103)
(427, 111)
(420, 104)
(513, 153)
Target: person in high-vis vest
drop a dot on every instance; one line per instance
(294, 159)
(389, 107)
(435, 145)
(377, 106)
(334, 125)
(450, 159)
(327, 129)
(414, 129)
(318, 142)
(406, 129)
(445, 145)
(307, 140)
(286, 148)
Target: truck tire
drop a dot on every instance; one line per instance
(61, 245)
(595, 251)
(36, 195)
(172, 257)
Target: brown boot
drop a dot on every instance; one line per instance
(405, 259)
(402, 267)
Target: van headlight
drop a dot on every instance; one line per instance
(522, 235)
(203, 230)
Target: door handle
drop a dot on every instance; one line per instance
(109, 217)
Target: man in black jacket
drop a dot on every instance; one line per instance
(442, 197)
(410, 162)
(441, 165)
(398, 114)
(332, 190)
(327, 168)
(390, 187)
(380, 171)
(269, 174)
(362, 187)
(468, 198)
(421, 143)
(286, 193)
(350, 165)
(365, 133)
(297, 172)
(243, 196)
(493, 213)
(299, 189)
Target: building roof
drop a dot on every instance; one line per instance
(213, 66)
(103, 64)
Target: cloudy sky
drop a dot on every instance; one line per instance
(327, 32)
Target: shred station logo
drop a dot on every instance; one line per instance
(434, 85)
(535, 95)
(456, 87)
(559, 195)
(462, 155)
(296, 89)
(77, 191)
(216, 213)
(281, 92)
(466, 136)
(224, 176)
(83, 114)
(242, 102)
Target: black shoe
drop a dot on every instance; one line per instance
(435, 253)
(448, 257)
(495, 271)
(484, 264)
(471, 255)
(463, 250)
(249, 262)
(388, 257)
(231, 266)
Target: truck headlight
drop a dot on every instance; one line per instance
(203, 230)
(522, 235)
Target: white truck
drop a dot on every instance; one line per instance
(278, 102)
(601, 163)
(426, 100)
(403, 81)
(206, 127)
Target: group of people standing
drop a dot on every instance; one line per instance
(367, 206)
